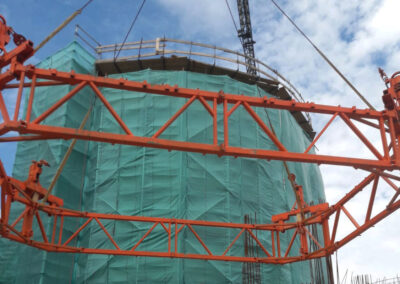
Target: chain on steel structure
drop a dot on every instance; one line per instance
(382, 167)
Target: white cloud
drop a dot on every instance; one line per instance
(382, 29)
(200, 19)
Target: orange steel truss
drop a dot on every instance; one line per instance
(383, 166)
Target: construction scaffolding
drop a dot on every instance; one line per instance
(227, 154)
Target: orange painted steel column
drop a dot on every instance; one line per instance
(19, 96)
(226, 129)
(3, 109)
(30, 102)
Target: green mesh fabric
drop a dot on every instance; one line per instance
(129, 180)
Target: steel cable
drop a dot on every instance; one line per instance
(324, 57)
(130, 28)
(233, 20)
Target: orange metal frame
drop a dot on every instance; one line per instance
(30, 192)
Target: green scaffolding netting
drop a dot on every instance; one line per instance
(128, 180)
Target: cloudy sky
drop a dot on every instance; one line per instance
(358, 36)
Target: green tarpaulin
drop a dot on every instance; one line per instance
(128, 180)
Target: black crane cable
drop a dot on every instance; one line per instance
(130, 29)
(85, 5)
(233, 20)
(324, 57)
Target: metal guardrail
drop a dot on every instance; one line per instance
(161, 47)
(166, 46)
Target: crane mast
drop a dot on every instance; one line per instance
(245, 34)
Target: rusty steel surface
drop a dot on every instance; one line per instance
(383, 165)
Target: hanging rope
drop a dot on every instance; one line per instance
(130, 28)
(60, 27)
(325, 58)
(66, 156)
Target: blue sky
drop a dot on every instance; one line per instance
(107, 21)
(358, 36)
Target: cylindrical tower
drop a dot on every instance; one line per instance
(129, 180)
